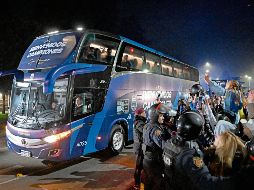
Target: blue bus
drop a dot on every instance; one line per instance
(75, 93)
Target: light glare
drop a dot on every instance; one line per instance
(79, 28)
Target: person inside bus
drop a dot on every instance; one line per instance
(78, 106)
(87, 54)
(54, 105)
(109, 57)
(97, 54)
(126, 62)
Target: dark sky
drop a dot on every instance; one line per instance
(221, 32)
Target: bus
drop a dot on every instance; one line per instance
(75, 93)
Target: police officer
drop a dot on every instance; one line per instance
(184, 168)
(245, 177)
(139, 123)
(152, 148)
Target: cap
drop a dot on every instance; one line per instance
(139, 111)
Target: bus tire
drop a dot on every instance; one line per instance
(117, 140)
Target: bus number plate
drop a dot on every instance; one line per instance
(25, 153)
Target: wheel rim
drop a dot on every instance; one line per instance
(117, 140)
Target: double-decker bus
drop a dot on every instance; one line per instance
(75, 92)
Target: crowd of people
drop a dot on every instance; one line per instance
(207, 144)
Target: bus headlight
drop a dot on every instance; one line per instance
(57, 137)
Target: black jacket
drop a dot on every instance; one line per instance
(139, 123)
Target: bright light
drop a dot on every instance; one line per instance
(207, 64)
(217, 78)
(23, 84)
(146, 70)
(57, 137)
(1, 95)
(246, 76)
(53, 32)
(79, 28)
(207, 71)
(249, 77)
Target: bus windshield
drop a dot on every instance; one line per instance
(31, 108)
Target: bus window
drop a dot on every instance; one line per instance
(177, 70)
(166, 67)
(87, 101)
(152, 63)
(132, 59)
(82, 103)
(98, 48)
(186, 72)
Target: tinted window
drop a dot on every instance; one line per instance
(167, 68)
(131, 59)
(177, 70)
(152, 63)
(98, 49)
(87, 101)
(186, 72)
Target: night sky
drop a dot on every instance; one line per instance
(220, 32)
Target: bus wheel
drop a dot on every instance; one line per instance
(116, 143)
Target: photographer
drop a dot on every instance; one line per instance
(196, 93)
(202, 105)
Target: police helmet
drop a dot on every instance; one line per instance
(189, 125)
(196, 89)
(155, 110)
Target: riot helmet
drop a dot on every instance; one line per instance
(196, 89)
(155, 110)
(189, 125)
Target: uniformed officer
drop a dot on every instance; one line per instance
(139, 123)
(245, 177)
(184, 167)
(152, 148)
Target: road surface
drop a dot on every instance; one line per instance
(99, 171)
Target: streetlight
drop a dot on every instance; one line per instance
(207, 71)
(207, 64)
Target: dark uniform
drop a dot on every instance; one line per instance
(245, 177)
(152, 147)
(139, 124)
(184, 167)
(206, 138)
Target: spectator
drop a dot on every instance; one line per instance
(228, 155)
(233, 98)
